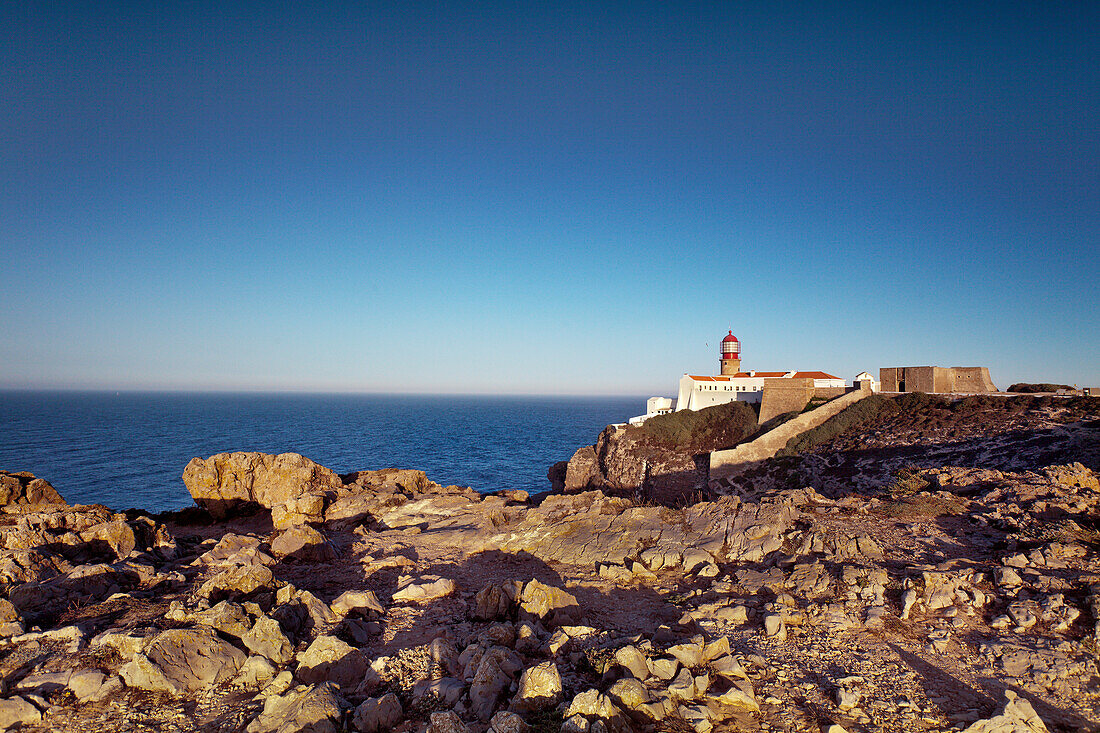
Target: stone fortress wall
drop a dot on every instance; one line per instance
(942, 380)
(784, 395)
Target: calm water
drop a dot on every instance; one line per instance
(129, 450)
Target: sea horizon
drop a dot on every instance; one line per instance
(129, 448)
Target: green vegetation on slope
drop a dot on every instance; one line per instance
(1027, 388)
(928, 413)
(866, 409)
(711, 428)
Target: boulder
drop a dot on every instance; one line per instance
(422, 589)
(256, 672)
(266, 638)
(237, 549)
(117, 536)
(506, 722)
(17, 711)
(224, 482)
(126, 645)
(436, 693)
(634, 661)
(378, 714)
(307, 708)
(495, 601)
(227, 617)
(362, 602)
(390, 480)
(23, 488)
(182, 661)
(303, 543)
(447, 722)
(549, 604)
(488, 684)
(330, 659)
(84, 683)
(540, 689)
(239, 580)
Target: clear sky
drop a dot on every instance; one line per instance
(544, 198)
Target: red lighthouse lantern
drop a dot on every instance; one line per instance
(730, 355)
(731, 347)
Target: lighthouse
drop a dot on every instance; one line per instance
(730, 356)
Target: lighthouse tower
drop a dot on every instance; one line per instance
(730, 355)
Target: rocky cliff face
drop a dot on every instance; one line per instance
(24, 488)
(222, 483)
(664, 459)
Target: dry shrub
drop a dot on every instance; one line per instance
(922, 505)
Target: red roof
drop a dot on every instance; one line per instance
(731, 337)
(763, 375)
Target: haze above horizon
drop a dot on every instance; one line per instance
(550, 198)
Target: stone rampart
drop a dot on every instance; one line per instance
(727, 463)
(784, 395)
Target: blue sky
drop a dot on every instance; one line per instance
(573, 198)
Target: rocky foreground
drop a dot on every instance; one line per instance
(953, 592)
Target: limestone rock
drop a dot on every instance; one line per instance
(549, 604)
(84, 683)
(226, 617)
(125, 645)
(181, 661)
(316, 709)
(306, 509)
(447, 722)
(540, 688)
(266, 638)
(117, 535)
(303, 543)
(222, 483)
(17, 711)
(24, 488)
(378, 714)
(592, 704)
(236, 549)
(443, 691)
(1017, 716)
(485, 689)
(506, 722)
(494, 601)
(581, 470)
(424, 588)
(238, 580)
(330, 659)
(256, 672)
(630, 695)
(634, 661)
(362, 602)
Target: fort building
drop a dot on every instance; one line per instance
(932, 379)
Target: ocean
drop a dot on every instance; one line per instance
(129, 449)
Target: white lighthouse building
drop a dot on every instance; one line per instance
(698, 391)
